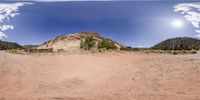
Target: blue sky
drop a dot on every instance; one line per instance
(132, 23)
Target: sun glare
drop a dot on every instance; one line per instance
(177, 23)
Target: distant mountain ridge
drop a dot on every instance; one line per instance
(179, 43)
(9, 45)
(92, 40)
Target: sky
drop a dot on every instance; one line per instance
(132, 23)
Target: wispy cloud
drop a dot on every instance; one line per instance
(191, 12)
(2, 36)
(7, 11)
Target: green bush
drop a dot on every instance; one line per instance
(88, 43)
(106, 44)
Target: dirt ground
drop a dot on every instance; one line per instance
(103, 76)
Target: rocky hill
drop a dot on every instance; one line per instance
(77, 41)
(9, 45)
(180, 43)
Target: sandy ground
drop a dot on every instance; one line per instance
(108, 76)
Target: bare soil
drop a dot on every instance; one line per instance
(99, 76)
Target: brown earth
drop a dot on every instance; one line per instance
(104, 76)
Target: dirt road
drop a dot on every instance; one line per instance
(108, 76)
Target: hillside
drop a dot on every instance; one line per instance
(9, 45)
(180, 43)
(77, 41)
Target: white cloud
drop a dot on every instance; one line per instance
(6, 27)
(7, 11)
(2, 35)
(191, 12)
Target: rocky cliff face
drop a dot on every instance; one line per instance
(71, 42)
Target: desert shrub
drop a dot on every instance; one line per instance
(88, 43)
(60, 50)
(50, 50)
(175, 52)
(106, 44)
(126, 48)
(193, 51)
(129, 49)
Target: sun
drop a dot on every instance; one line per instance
(177, 23)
